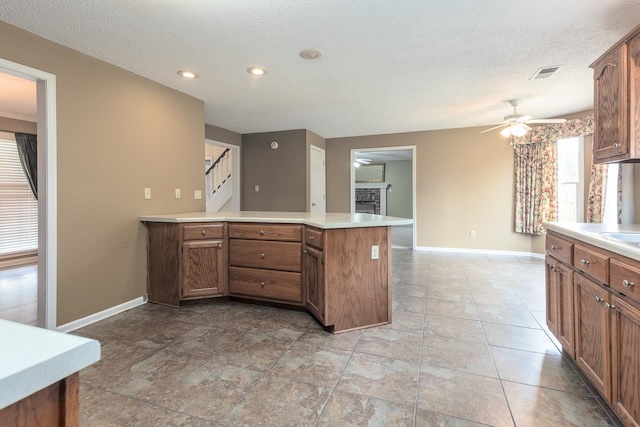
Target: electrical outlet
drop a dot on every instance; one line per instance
(472, 233)
(197, 194)
(147, 193)
(257, 188)
(177, 193)
(375, 252)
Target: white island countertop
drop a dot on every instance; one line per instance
(591, 233)
(319, 220)
(33, 358)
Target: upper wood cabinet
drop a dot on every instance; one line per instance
(616, 106)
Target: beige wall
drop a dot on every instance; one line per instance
(281, 174)
(117, 133)
(399, 174)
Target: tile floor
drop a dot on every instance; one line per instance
(467, 347)
(19, 294)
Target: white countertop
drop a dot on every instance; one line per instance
(33, 358)
(590, 233)
(320, 220)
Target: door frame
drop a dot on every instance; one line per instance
(235, 170)
(47, 188)
(352, 180)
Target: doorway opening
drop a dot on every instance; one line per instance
(222, 176)
(383, 182)
(47, 187)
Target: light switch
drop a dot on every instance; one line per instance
(177, 193)
(147, 193)
(257, 188)
(375, 252)
(197, 194)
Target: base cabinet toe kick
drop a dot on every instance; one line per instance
(328, 272)
(593, 309)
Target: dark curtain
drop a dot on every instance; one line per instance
(28, 151)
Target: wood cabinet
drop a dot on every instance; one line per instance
(266, 262)
(593, 333)
(314, 273)
(606, 326)
(186, 261)
(616, 98)
(560, 303)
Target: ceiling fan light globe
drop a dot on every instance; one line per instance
(520, 130)
(506, 132)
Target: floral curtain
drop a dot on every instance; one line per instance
(596, 201)
(535, 196)
(535, 186)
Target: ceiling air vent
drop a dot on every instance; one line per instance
(544, 73)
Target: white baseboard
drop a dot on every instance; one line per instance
(479, 251)
(101, 315)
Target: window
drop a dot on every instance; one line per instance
(18, 207)
(570, 180)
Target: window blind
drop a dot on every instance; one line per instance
(18, 207)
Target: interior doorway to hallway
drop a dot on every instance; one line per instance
(222, 176)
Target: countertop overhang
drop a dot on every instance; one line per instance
(319, 220)
(590, 233)
(33, 358)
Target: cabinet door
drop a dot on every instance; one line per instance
(314, 282)
(551, 283)
(203, 269)
(593, 333)
(610, 104)
(625, 335)
(565, 324)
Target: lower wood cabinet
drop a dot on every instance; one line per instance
(204, 269)
(593, 333)
(314, 282)
(560, 303)
(625, 349)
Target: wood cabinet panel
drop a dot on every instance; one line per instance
(560, 303)
(625, 278)
(282, 233)
(551, 288)
(286, 256)
(593, 333)
(204, 269)
(314, 282)
(625, 346)
(269, 284)
(633, 53)
(313, 237)
(594, 263)
(559, 248)
(203, 231)
(163, 263)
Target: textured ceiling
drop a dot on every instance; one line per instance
(387, 66)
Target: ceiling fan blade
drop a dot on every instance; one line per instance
(547, 121)
(495, 127)
(363, 161)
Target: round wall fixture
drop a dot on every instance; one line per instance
(274, 145)
(310, 54)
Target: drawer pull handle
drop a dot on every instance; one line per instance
(554, 247)
(304, 251)
(627, 284)
(261, 233)
(609, 306)
(204, 232)
(584, 262)
(617, 145)
(599, 300)
(262, 256)
(219, 245)
(310, 237)
(262, 284)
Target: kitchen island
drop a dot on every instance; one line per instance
(39, 375)
(593, 306)
(336, 266)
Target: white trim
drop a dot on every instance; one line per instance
(236, 171)
(479, 251)
(47, 188)
(101, 315)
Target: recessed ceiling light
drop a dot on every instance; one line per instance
(310, 54)
(187, 74)
(257, 71)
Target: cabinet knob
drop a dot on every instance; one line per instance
(304, 251)
(617, 145)
(584, 261)
(554, 247)
(261, 233)
(310, 237)
(599, 300)
(262, 284)
(609, 306)
(627, 284)
(204, 232)
(262, 256)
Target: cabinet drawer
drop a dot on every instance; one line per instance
(271, 255)
(203, 231)
(625, 278)
(313, 237)
(257, 283)
(559, 248)
(593, 263)
(283, 233)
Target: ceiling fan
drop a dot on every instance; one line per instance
(517, 124)
(361, 161)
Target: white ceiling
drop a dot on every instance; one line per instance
(385, 155)
(387, 66)
(17, 98)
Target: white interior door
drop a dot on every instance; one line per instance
(317, 181)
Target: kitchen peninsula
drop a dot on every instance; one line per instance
(337, 266)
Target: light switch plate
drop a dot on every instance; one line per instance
(197, 194)
(178, 193)
(147, 193)
(375, 252)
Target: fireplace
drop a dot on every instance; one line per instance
(371, 198)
